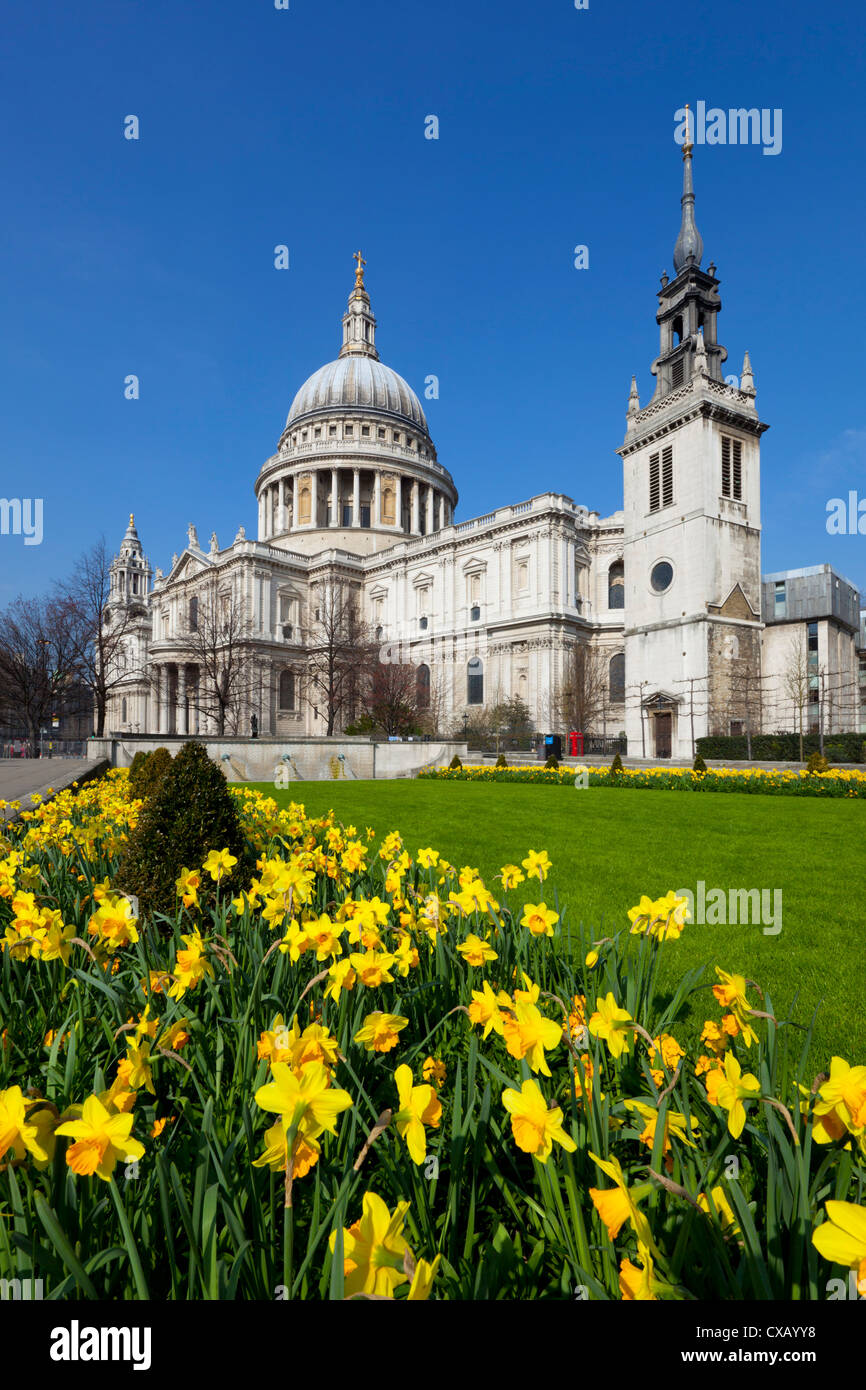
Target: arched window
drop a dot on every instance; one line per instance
(616, 678)
(475, 682)
(287, 690)
(193, 615)
(616, 585)
(422, 686)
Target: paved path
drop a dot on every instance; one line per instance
(21, 776)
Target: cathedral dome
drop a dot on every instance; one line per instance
(358, 382)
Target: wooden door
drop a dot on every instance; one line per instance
(663, 735)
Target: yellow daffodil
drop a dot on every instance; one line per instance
(374, 1249)
(729, 1089)
(307, 1102)
(534, 1125)
(529, 1034)
(539, 918)
(219, 864)
(537, 865)
(842, 1238)
(616, 1205)
(380, 1031)
(101, 1139)
(608, 1023)
(419, 1106)
(475, 951)
(434, 1070)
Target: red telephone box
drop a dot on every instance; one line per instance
(575, 745)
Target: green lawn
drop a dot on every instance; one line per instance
(610, 846)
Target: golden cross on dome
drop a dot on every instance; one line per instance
(131, 519)
(359, 273)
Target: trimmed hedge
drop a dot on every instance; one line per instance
(782, 748)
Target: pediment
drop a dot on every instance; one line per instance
(736, 605)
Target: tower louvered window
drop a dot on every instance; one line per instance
(661, 479)
(732, 468)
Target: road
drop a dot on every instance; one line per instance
(21, 776)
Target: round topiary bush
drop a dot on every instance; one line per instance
(455, 763)
(189, 812)
(817, 764)
(552, 762)
(699, 765)
(501, 761)
(616, 765)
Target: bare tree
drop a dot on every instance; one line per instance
(38, 659)
(340, 653)
(98, 628)
(583, 695)
(393, 698)
(218, 642)
(795, 682)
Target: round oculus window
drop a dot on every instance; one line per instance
(662, 576)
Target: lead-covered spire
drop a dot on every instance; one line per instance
(689, 247)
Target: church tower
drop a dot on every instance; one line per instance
(127, 622)
(692, 523)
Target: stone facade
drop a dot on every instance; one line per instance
(665, 594)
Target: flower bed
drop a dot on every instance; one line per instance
(764, 781)
(373, 1074)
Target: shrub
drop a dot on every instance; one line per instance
(455, 762)
(817, 764)
(699, 765)
(147, 771)
(552, 762)
(190, 812)
(616, 765)
(501, 761)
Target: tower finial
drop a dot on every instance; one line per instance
(689, 247)
(359, 273)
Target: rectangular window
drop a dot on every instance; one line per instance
(654, 483)
(365, 514)
(347, 514)
(677, 373)
(781, 599)
(732, 468)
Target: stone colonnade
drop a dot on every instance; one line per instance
(182, 702)
(352, 497)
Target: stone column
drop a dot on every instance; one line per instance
(335, 498)
(416, 520)
(156, 701)
(399, 504)
(376, 517)
(356, 497)
(428, 505)
(281, 508)
(181, 716)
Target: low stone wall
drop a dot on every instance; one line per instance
(287, 760)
